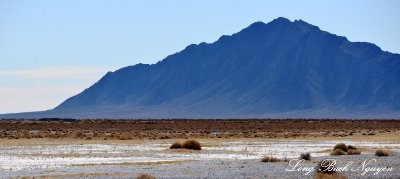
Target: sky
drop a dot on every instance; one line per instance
(51, 50)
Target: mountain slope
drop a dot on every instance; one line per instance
(279, 69)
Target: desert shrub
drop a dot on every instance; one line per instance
(176, 145)
(192, 144)
(305, 156)
(351, 147)
(285, 159)
(329, 176)
(121, 137)
(145, 176)
(269, 159)
(338, 152)
(353, 152)
(341, 146)
(323, 167)
(381, 153)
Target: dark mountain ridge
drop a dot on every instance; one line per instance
(279, 69)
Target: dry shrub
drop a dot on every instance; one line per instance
(192, 144)
(269, 159)
(121, 137)
(353, 152)
(329, 176)
(341, 146)
(338, 152)
(285, 159)
(323, 167)
(145, 176)
(305, 156)
(351, 147)
(176, 145)
(381, 153)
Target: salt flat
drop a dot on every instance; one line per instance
(58, 158)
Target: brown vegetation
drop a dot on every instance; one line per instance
(176, 145)
(324, 172)
(329, 176)
(351, 147)
(343, 149)
(341, 146)
(184, 129)
(338, 152)
(192, 144)
(305, 156)
(381, 153)
(353, 152)
(323, 167)
(269, 159)
(145, 176)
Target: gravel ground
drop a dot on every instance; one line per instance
(221, 169)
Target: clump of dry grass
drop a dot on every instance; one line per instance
(338, 152)
(381, 153)
(329, 176)
(353, 152)
(176, 145)
(323, 167)
(192, 144)
(145, 176)
(341, 146)
(351, 147)
(323, 171)
(269, 159)
(305, 156)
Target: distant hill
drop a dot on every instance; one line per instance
(280, 69)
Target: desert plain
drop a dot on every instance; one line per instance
(234, 148)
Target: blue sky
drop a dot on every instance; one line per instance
(51, 50)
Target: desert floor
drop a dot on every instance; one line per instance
(230, 148)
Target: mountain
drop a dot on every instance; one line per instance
(279, 69)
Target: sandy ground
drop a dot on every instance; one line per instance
(220, 157)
